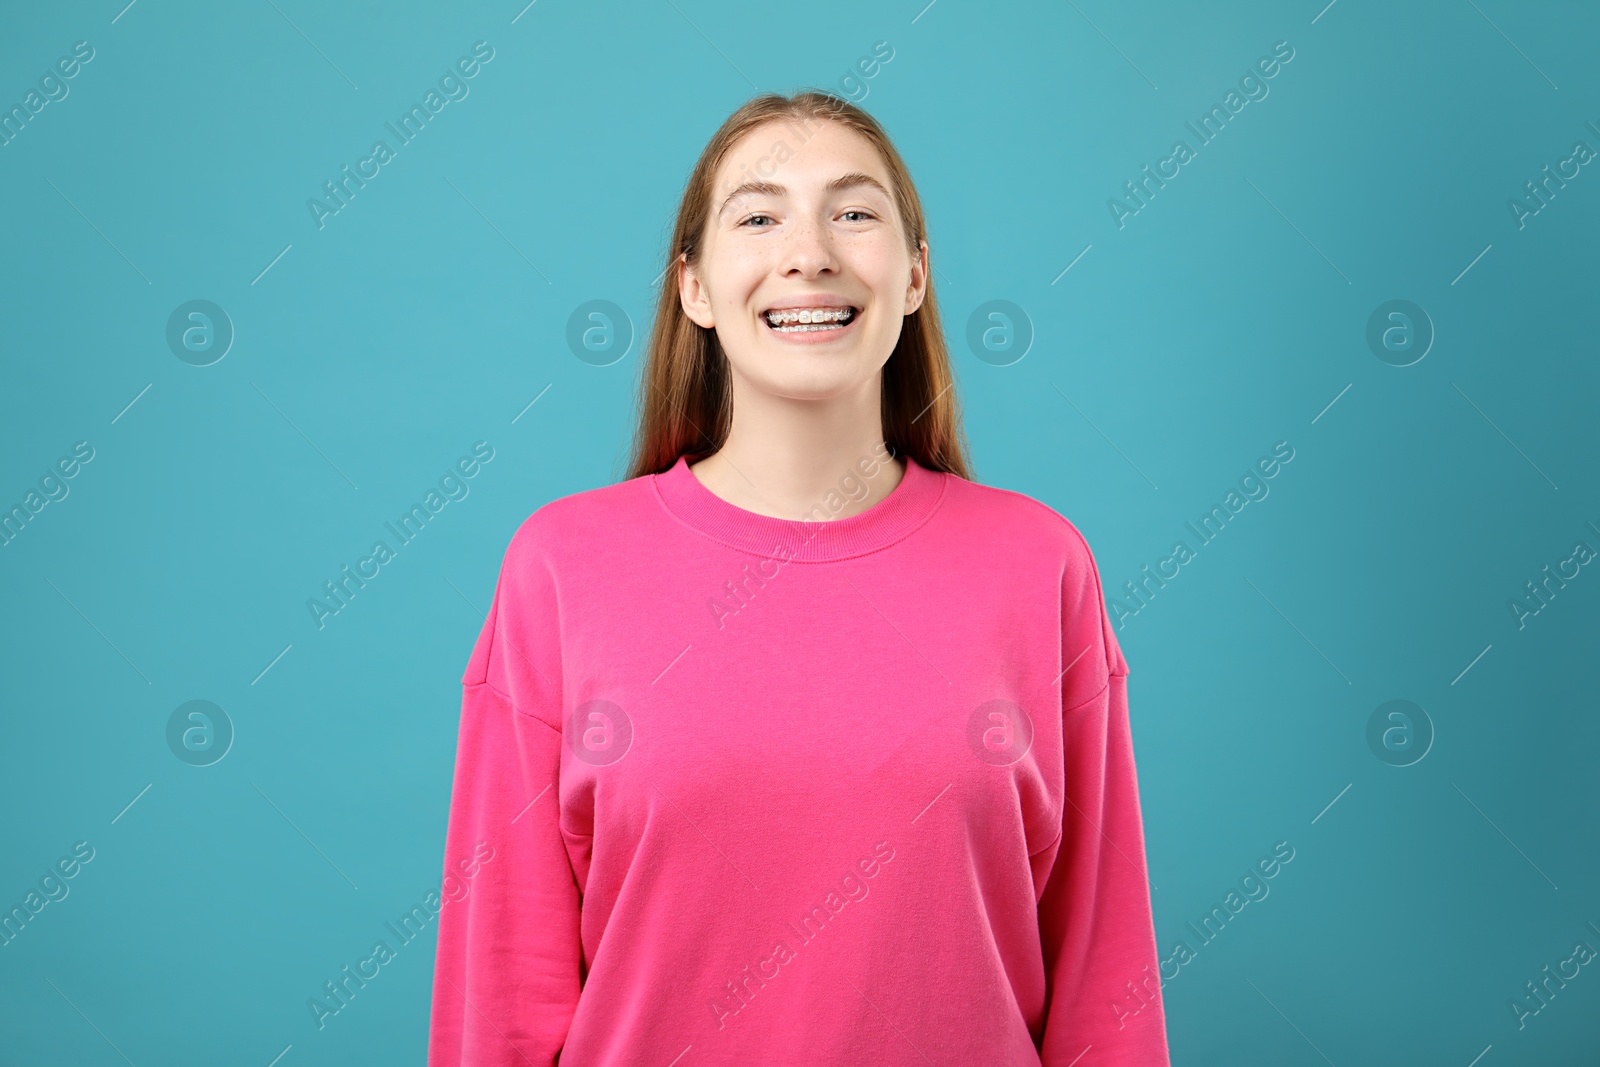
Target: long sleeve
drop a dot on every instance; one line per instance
(1103, 1004)
(508, 964)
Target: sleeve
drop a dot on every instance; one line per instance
(1103, 1005)
(507, 967)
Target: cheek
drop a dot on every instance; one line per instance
(737, 282)
(884, 265)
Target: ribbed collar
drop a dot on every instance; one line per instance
(906, 507)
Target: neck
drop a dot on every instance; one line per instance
(783, 456)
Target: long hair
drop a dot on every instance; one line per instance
(685, 399)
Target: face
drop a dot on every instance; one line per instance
(804, 231)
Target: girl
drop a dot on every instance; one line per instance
(797, 746)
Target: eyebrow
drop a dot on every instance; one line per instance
(852, 180)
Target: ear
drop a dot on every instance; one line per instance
(917, 289)
(692, 294)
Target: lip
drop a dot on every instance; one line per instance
(815, 300)
(814, 337)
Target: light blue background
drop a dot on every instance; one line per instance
(1227, 315)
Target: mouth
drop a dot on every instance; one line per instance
(799, 321)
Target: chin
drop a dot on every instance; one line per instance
(814, 383)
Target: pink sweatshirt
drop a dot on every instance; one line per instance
(734, 789)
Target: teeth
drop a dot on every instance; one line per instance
(808, 315)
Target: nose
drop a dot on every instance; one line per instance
(809, 248)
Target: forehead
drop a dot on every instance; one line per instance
(798, 157)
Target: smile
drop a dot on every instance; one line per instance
(792, 321)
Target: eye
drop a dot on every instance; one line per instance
(859, 211)
(747, 221)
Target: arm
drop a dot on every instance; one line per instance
(1102, 972)
(507, 968)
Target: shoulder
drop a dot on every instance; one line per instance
(518, 647)
(1030, 527)
(579, 518)
(1025, 521)
(564, 539)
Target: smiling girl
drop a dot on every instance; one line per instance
(891, 816)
